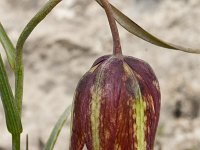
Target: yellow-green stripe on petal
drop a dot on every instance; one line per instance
(95, 114)
(140, 123)
(139, 107)
(95, 111)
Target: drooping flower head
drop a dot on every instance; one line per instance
(116, 106)
(116, 103)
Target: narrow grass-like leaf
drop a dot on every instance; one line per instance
(57, 128)
(8, 46)
(12, 116)
(135, 29)
(19, 73)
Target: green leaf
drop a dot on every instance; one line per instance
(12, 116)
(56, 130)
(135, 29)
(8, 46)
(19, 71)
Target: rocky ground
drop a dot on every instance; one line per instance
(64, 46)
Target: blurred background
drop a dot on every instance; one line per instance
(64, 46)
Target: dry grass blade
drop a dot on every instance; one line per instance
(135, 29)
(27, 146)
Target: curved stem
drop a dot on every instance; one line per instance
(113, 26)
(19, 73)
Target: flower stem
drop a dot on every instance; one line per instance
(19, 72)
(16, 142)
(113, 26)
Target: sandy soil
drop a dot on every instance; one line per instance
(64, 46)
